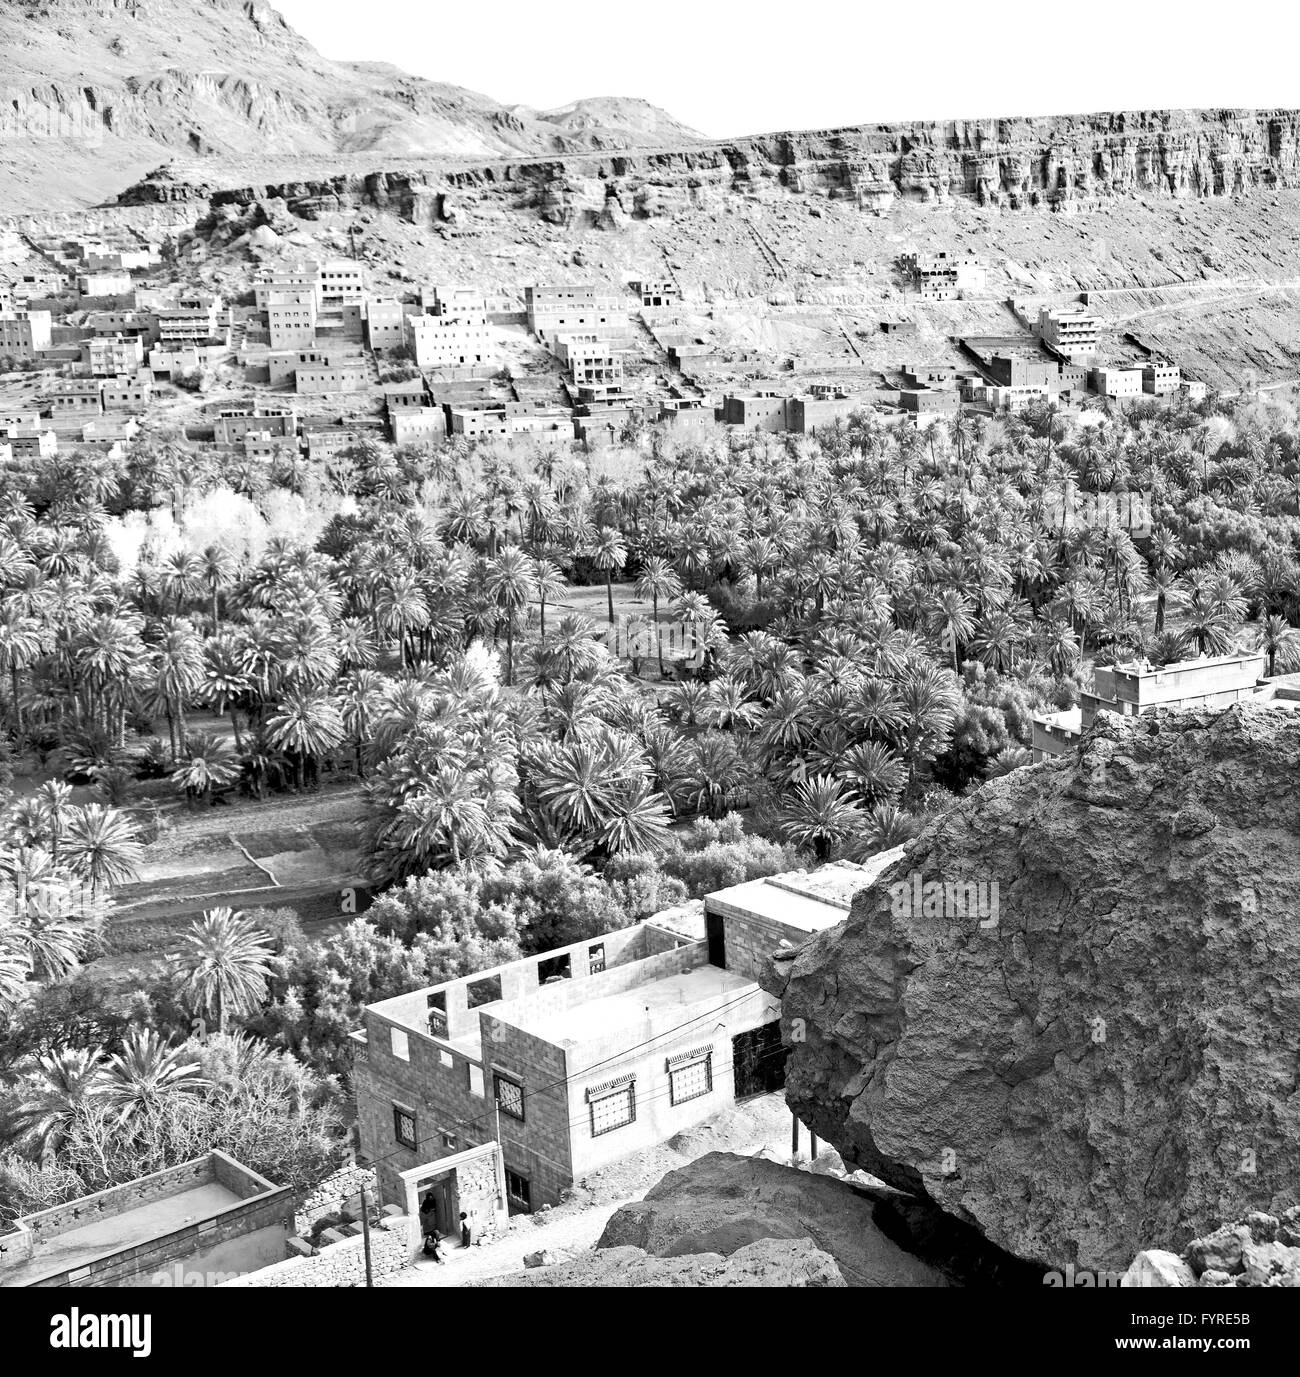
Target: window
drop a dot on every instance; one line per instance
(596, 958)
(690, 1075)
(446, 1059)
(613, 1105)
(404, 1126)
(399, 1043)
(475, 1080)
(554, 968)
(485, 991)
(510, 1096)
(519, 1196)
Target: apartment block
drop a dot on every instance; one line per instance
(199, 318)
(291, 319)
(105, 284)
(24, 333)
(107, 356)
(341, 280)
(1074, 334)
(944, 276)
(553, 311)
(385, 323)
(1161, 378)
(300, 277)
(660, 291)
(439, 342)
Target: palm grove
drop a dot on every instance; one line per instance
(875, 614)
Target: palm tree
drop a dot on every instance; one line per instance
(63, 1081)
(400, 608)
(658, 579)
(224, 679)
(821, 814)
(208, 764)
(548, 584)
(361, 696)
(608, 554)
(147, 1070)
(508, 585)
(952, 622)
(178, 673)
(306, 726)
(218, 572)
(21, 643)
(226, 965)
(101, 847)
(1281, 641)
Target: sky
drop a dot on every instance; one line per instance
(733, 68)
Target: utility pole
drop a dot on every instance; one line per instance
(794, 1137)
(365, 1234)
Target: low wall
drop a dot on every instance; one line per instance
(342, 1185)
(344, 1263)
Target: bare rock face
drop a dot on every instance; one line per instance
(722, 1203)
(1100, 1055)
(1260, 1250)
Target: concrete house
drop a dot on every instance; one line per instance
(23, 334)
(195, 1224)
(565, 1061)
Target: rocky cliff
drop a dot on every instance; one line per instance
(1046, 164)
(94, 92)
(1099, 1055)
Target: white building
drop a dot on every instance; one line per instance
(24, 333)
(1072, 333)
(450, 342)
(1118, 382)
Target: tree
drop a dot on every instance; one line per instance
(226, 965)
(608, 554)
(208, 765)
(658, 579)
(101, 847)
(509, 583)
(178, 673)
(145, 1072)
(548, 585)
(306, 726)
(821, 814)
(20, 647)
(61, 1082)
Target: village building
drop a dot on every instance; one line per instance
(76, 397)
(296, 278)
(24, 333)
(106, 356)
(109, 432)
(291, 319)
(554, 311)
(764, 410)
(575, 1058)
(410, 392)
(105, 284)
(197, 318)
(1137, 688)
(417, 425)
(1192, 390)
(1117, 382)
(1074, 334)
(318, 379)
(283, 366)
(929, 400)
(944, 276)
(439, 342)
(385, 323)
(342, 280)
(661, 291)
(1160, 378)
(209, 1219)
(686, 416)
(233, 423)
(28, 442)
(132, 393)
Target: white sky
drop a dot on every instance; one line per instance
(746, 68)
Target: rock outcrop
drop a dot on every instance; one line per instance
(767, 1262)
(1099, 1055)
(1260, 1250)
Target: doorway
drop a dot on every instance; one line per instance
(438, 1206)
(758, 1060)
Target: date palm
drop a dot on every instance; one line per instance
(61, 1082)
(306, 726)
(146, 1071)
(21, 643)
(207, 763)
(101, 847)
(177, 673)
(508, 585)
(226, 965)
(547, 583)
(608, 553)
(1281, 643)
(224, 680)
(658, 579)
(218, 571)
(821, 814)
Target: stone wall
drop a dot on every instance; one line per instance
(342, 1264)
(336, 1188)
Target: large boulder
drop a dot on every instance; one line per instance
(723, 1204)
(1098, 1056)
(767, 1262)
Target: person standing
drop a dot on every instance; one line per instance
(466, 1238)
